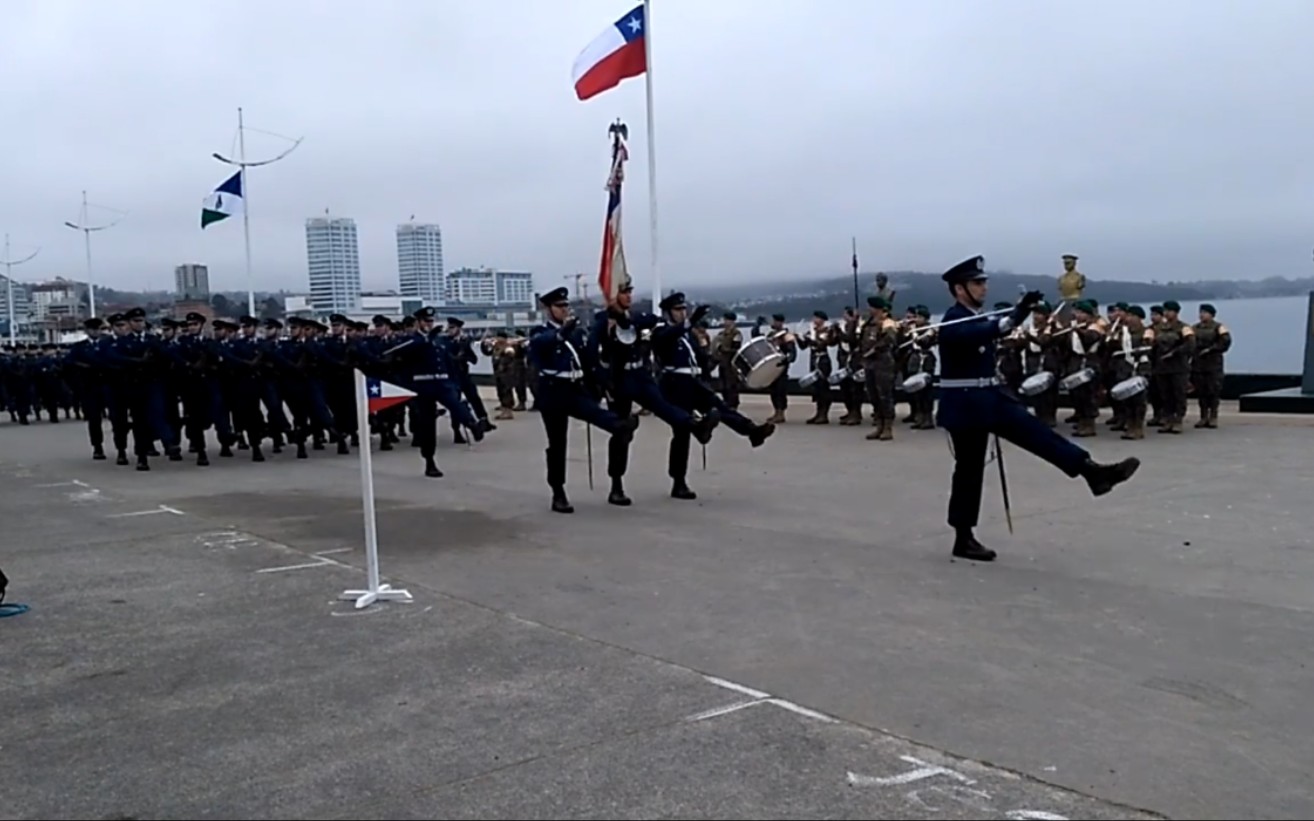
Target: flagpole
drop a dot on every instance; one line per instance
(375, 591)
(246, 215)
(86, 228)
(243, 165)
(652, 156)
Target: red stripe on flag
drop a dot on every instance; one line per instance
(627, 61)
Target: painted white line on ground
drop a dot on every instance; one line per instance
(923, 771)
(803, 711)
(59, 484)
(720, 711)
(294, 567)
(335, 550)
(738, 688)
(156, 511)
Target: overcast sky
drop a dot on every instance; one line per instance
(1160, 139)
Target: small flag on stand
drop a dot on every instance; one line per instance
(383, 395)
(372, 396)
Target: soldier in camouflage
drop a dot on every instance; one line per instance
(1212, 340)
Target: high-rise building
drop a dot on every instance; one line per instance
(191, 281)
(333, 260)
(487, 287)
(420, 262)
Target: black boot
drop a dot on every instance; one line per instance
(1103, 478)
(343, 448)
(617, 495)
(702, 428)
(98, 453)
(202, 461)
(257, 455)
(431, 469)
(680, 490)
(301, 451)
(175, 454)
(142, 464)
(458, 438)
(385, 443)
(967, 547)
(560, 504)
(122, 461)
(760, 433)
(226, 451)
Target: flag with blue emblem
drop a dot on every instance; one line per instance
(224, 202)
(380, 395)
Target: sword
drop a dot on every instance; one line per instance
(1003, 483)
(704, 457)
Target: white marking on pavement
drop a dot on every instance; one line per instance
(294, 567)
(738, 688)
(60, 484)
(1034, 815)
(923, 772)
(158, 510)
(720, 711)
(335, 550)
(803, 711)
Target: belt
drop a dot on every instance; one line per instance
(985, 382)
(635, 366)
(685, 371)
(429, 377)
(572, 376)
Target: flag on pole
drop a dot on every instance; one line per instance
(614, 55)
(224, 202)
(382, 395)
(612, 273)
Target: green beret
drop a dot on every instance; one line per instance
(1137, 310)
(924, 312)
(1172, 305)
(1123, 306)
(1042, 307)
(878, 302)
(1156, 309)
(1084, 305)
(1209, 309)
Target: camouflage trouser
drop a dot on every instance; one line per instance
(880, 390)
(506, 388)
(1172, 395)
(1208, 390)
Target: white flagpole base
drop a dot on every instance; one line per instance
(364, 598)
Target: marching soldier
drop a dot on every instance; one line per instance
(1174, 343)
(554, 350)
(1212, 341)
(724, 347)
(243, 356)
(676, 352)
(463, 356)
(1041, 355)
(86, 379)
(1152, 392)
(818, 341)
(878, 338)
(921, 359)
(619, 356)
(972, 406)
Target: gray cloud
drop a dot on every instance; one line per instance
(1160, 140)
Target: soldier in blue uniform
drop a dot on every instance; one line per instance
(619, 358)
(973, 405)
(565, 390)
(243, 356)
(137, 353)
(676, 351)
(424, 364)
(85, 377)
(463, 356)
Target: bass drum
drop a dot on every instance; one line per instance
(809, 380)
(759, 364)
(837, 376)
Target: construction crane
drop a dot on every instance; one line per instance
(581, 287)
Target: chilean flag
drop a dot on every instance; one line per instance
(383, 395)
(617, 54)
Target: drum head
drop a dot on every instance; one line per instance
(766, 372)
(838, 376)
(1036, 383)
(1128, 388)
(916, 382)
(809, 380)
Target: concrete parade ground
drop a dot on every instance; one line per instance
(796, 643)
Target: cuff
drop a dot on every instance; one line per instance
(1005, 325)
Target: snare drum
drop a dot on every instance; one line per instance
(809, 380)
(759, 363)
(1075, 380)
(1128, 388)
(917, 382)
(836, 377)
(1036, 384)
